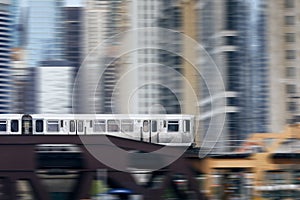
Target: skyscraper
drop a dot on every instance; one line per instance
(171, 90)
(155, 83)
(233, 33)
(284, 44)
(97, 79)
(5, 53)
(73, 35)
(44, 31)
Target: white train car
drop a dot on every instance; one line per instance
(162, 129)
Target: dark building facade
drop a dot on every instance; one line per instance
(233, 33)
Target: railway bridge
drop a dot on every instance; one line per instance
(66, 167)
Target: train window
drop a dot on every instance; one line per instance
(165, 124)
(113, 126)
(53, 126)
(154, 126)
(145, 126)
(173, 126)
(91, 123)
(72, 126)
(99, 126)
(39, 126)
(187, 125)
(127, 126)
(80, 126)
(14, 125)
(62, 123)
(3, 126)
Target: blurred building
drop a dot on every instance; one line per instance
(53, 87)
(17, 27)
(5, 55)
(110, 76)
(73, 36)
(88, 98)
(154, 81)
(98, 76)
(234, 34)
(171, 90)
(191, 84)
(284, 54)
(141, 68)
(44, 31)
(20, 76)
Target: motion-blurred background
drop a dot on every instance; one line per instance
(68, 57)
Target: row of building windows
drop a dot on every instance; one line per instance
(290, 72)
(289, 3)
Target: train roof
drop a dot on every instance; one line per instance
(106, 116)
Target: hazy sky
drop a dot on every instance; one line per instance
(73, 2)
(67, 2)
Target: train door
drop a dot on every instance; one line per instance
(146, 131)
(72, 127)
(88, 127)
(80, 127)
(154, 134)
(27, 125)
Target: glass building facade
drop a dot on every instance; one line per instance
(170, 90)
(233, 32)
(5, 53)
(44, 31)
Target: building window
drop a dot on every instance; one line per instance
(289, 37)
(292, 106)
(289, 4)
(290, 54)
(290, 89)
(289, 20)
(290, 72)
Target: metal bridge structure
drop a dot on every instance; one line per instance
(20, 160)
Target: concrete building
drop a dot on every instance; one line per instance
(88, 95)
(141, 70)
(53, 87)
(284, 41)
(97, 79)
(20, 76)
(5, 53)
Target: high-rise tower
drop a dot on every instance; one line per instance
(233, 32)
(5, 56)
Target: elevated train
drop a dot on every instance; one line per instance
(162, 129)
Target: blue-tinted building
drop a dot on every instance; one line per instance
(5, 53)
(17, 28)
(44, 31)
